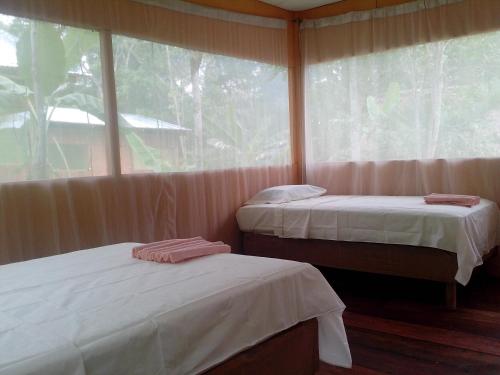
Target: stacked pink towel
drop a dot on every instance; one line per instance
(454, 199)
(178, 250)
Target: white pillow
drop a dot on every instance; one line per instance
(286, 193)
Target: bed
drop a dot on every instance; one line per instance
(100, 311)
(392, 235)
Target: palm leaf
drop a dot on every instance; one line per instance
(13, 97)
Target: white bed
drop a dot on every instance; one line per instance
(100, 311)
(469, 232)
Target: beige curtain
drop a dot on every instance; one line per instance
(402, 100)
(261, 39)
(407, 24)
(51, 217)
(410, 177)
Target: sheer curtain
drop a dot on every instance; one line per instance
(186, 110)
(197, 89)
(405, 99)
(202, 121)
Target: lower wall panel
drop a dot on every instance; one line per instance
(44, 218)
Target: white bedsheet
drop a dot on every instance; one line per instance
(100, 311)
(469, 232)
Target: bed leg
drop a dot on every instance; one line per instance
(451, 295)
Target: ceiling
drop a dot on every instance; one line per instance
(297, 5)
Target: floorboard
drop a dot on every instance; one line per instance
(400, 326)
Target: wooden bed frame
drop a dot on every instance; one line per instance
(396, 260)
(293, 351)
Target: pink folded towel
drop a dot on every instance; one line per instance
(165, 243)
(454, 199)
(178, 250)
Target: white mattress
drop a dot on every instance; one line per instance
(469, 232)
(100, 311)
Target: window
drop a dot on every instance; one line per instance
(50, 101)
(183, 110)
(435, 100)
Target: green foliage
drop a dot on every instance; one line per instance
(13, 152)
(85, 102)
(13, 97)
(144, 155)
(434, 100)
(51, 51)
(50, 58)
(244, 104)
(392, 97)
(77, 43)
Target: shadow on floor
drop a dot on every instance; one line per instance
(400, 326)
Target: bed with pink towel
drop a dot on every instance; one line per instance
(183, 310)
(453, 199)
(465, 225)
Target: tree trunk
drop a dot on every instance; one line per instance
(355, 128)
(195, 62)
(437, 100)
(173, 93)
(39, 161)
(417, 107)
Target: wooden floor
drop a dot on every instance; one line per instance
(398, 326)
